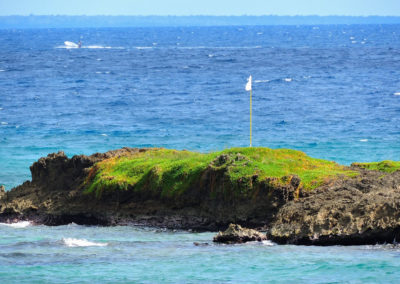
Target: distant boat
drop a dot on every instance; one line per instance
(70, 44)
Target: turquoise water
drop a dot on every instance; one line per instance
(81, 254)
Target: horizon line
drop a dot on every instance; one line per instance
(196, 15)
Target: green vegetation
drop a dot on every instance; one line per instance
(384, 166)
(172, 172)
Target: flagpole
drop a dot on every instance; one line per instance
(249, 88)
(251, 91)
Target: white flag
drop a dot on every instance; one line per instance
(248, 85)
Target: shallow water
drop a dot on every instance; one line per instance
(81, 254)
(329, 91)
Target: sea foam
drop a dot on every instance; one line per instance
(22, 224)
(71, 242)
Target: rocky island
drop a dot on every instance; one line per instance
(294, 198)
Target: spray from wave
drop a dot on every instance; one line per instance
(22, 224)
(71, 242)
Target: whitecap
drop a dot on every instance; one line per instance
(1, 108)
(260, 33)
(261, 81)
(99, 59)
(144, 47)
(18, 225)
(354, 41)
(4, 123)
(103, 134)
(268, 243)
(352, 37)
(363, 140)
(71, 242)
(98, 72)
(2, 70)
(288, 79)
(397, 94)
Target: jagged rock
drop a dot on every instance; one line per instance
(2, 191)
(362, 210)
(235, 234)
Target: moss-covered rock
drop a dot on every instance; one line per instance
(169, 173)
(384, 166)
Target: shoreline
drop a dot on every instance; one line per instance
(344, 209)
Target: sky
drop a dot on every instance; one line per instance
(201, 7)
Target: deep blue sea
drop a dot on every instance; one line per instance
(331, 91)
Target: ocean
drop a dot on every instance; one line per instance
(332, 91)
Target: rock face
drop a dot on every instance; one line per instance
(235, 234)
(362, 210)
(2, 191)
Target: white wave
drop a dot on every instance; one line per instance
(288, 79)
(18, 225)
(363, 140)
(268, 243)
(352, 37)
(261, 81)
(1, 108)
(260, 33)
(143, 47)
(4, 123)
(354, 41)
(103, 134)
(397, 94)
(2, 70)
(71, 242)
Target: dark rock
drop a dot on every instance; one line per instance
(200, 244)
(362, 210)
(235, 234)
(2, 191)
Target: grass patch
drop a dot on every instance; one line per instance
(384, 166)
(170, 172)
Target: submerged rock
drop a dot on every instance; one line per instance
(235, 234)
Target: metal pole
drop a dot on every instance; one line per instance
(251, 91)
